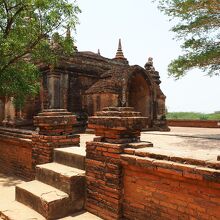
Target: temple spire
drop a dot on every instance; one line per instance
(119, 54)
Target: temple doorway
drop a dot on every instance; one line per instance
(139, 95)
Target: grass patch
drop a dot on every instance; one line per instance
(193, 115)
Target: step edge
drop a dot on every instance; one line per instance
(81, 174)
(17, 209)
(64, 196)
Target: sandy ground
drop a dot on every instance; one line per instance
(195, 143)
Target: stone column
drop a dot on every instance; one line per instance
(64, 90)
(117, 128)
(41, 95)
(54, 90)
(2, 109)
(9, 118)
(55, 129)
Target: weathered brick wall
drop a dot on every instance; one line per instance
(101, 101)
(160, 190)
(55, 131)
(19, 156)
(194, 123)
(116, 127)
(16, 157)
(21, 150)
(43, 146)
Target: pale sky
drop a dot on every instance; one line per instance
(144, 31)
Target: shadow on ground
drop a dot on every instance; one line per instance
(9, 180)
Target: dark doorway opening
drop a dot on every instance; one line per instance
(139, 95)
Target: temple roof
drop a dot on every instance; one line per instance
(112, 80)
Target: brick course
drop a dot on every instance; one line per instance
(194, 123)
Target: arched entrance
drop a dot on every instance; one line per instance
(139, 95)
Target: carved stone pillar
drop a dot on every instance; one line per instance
(2, 109)
(54, 90)
(64, 84)
(9, 117)
(41, 95)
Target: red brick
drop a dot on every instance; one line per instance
(192, 175)
(169, 171)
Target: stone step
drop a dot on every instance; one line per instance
(68, 179)
(17, 211)
(71, 156)
(46, 200)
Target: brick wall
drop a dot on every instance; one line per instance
(43, 146)
(19, 156)
(160, 190)
(194, 123)
(16, 157)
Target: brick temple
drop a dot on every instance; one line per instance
(116, 175)
(85, 83)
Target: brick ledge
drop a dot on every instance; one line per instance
(173, 168)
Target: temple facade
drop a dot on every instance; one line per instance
(85, 83)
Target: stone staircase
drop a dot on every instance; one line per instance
(57, 191)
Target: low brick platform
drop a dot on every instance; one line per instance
(127, 179)
(155, 185)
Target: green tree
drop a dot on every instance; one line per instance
(198, 28)
(26, 27)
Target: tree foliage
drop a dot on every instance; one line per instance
(198, 28)
(26, 27)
